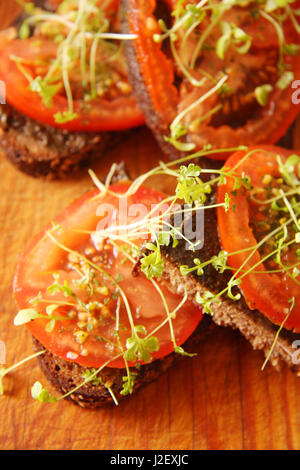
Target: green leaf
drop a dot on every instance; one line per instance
(190, 187)
(41, 394)
(29, 8)
(182, 146)
(89, 376)
(205, 300)
(152, 264)
(224, 41)
(164, 238)
(128, 383)
(288, 169)
(240, 36)
(64, 117)
(185, 270)
(45, 90)
(227, 202)
(140, 349)
(285, 80)
(262, 94)
(232, 283)
(232, 35)
(291, 49)
(50, 326)
(57, 287)
(26, 315)
(24, 31)
(178, 130)
(219, 262)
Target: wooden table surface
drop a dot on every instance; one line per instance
(217, 400)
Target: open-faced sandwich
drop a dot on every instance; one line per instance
(115, 289)
(68, 97)
(100, 333)
(214, 72)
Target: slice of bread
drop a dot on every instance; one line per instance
(65, 375)
(44, 151)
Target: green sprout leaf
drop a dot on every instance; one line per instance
(26, 315)
(182, 146)
(291, 49)
(57, 287)
(24, 31)
(227, 202)
(233, 283)
(65, 116)
(290, 170)
(45, 90)
(285, 80)
(140, 349)
(182, 352)
(2, 374)
(190, 187)
(219, 262)
(206, 300)
(128, 383)
(41, 394)
(232, 35)
(89, 376)
(224, 41)
(152, 264)
(262, 94)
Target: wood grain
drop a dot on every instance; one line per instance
(217, 400)
(9, 10)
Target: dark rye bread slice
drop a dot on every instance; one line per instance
(66, 375)
(44, 151)
(254, 326)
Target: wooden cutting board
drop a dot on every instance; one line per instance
(217, 400)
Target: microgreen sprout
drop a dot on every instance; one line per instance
(87, 56)
(292, 302)
(221, 28)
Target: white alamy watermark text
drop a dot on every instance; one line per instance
(2, 92)
(296, 93)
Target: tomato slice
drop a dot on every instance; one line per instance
(247, 223)
(34, 56)
(226, 119)
(43, 257)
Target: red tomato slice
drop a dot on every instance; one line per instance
(43, 257)
(239, 119)
(99, 114)
(270, 293)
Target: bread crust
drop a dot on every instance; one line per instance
(66, 375)
(254, 326)
(44, 151)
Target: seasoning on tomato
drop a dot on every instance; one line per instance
(67, 68)
(76, 292)
(214, 73)
(261, 230)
